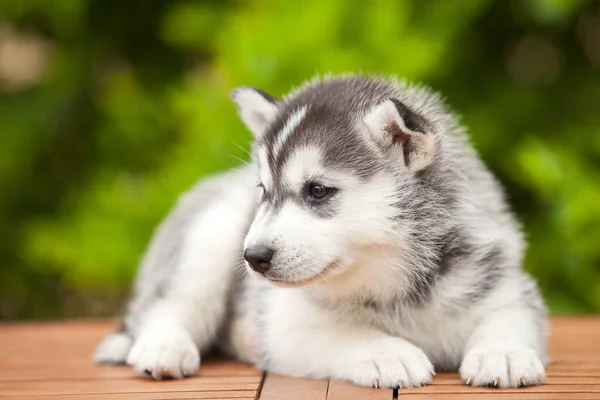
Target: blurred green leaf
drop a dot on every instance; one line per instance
(133, 108)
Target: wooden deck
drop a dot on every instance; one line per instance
(52, 361)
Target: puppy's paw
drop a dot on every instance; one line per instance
(166, 354)
(502, 366)
(388, 363)
(113, 349)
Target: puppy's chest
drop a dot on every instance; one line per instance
(442, 335)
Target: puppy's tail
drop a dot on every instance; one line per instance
(114, 349)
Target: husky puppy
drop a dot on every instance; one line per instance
(378, 249)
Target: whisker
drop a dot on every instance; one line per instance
(241, 148)
(239, 159)
(242, 272)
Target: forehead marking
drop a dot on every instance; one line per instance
(305, 162)
(291, 124)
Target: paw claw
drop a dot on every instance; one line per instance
(165, 356)
(503, 366)
(388, 363)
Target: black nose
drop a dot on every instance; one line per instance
(259, 257)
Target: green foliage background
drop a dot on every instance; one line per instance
(133, 107)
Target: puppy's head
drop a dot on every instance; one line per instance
(334, 162)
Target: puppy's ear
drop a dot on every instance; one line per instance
(256, 108)
(407, 134)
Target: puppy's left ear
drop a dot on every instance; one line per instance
(408, 135)
(256, 108)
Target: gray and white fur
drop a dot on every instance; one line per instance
(378, 249)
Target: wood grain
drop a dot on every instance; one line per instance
(277, 387)
(339, 390)
(52, 361)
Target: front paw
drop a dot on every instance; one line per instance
(388, 363)
(502, 366)
(169, 354)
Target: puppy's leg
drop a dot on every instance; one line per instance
(167, 343)
(507, 349)
(192, 305)
(300, 338)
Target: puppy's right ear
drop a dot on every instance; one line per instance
(256, 108)
(406, 133)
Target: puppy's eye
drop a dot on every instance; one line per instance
(319, 192)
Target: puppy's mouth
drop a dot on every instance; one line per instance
(319, 277)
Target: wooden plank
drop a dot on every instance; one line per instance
(575, 366)
(68, 386)
(339, 390)
(67, 372)
(579, 323)
(454, 379)
(221, 367)
(574, 356)
(64, 387)
(146, 396)
(458, 390)
(565, 373)
(502, 396)
(103, 372)
(588, 388)
(53, 360)
(277, 387)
